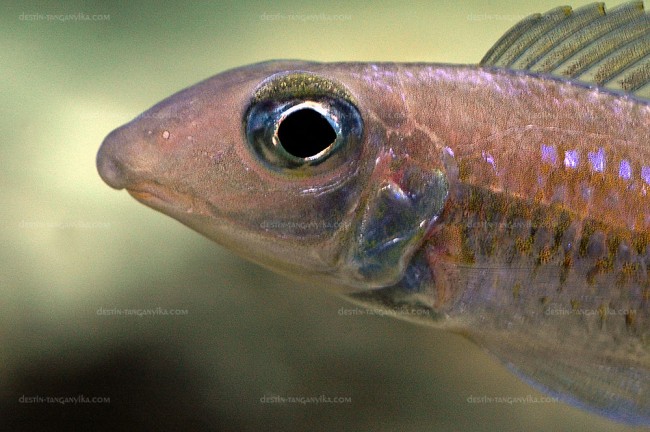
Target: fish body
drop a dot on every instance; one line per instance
(500, 201)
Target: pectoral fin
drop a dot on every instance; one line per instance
(600, 366)
(613, 384)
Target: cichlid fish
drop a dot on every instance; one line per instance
(507, 201)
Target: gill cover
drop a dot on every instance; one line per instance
(403, 202)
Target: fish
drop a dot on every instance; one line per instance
(507, 201)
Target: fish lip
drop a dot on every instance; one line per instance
(144, 196)
(174, 204)
(155, 195)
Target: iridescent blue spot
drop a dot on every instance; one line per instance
(571, 158)
(597, 160)
(625, 170)
(645, 174)
(549, 154)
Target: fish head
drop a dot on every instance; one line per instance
(283, 164)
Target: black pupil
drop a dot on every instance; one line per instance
(305, 133)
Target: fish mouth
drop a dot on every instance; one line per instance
(149, 195)
(169, 202)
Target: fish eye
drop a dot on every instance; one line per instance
(294, 130)
(305, 131)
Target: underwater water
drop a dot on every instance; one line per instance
(207, 341)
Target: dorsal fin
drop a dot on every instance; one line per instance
(608, 49)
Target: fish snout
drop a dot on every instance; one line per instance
(126, 157)
(110, 169)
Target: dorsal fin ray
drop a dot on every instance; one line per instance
(508, 38)
(562, 30)
(577, 42)
(541, 26)
(584, 59)
(608, 49)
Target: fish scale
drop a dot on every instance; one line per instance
(506, 201)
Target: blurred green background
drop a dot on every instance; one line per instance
(72, 245)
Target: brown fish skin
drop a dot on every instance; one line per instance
(531, 232)
(543, 240)
(497, 125)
